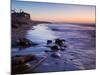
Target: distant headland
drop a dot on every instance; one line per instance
(22, 18)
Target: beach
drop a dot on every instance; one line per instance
(80, 53)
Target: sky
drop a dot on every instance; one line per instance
(53, 12)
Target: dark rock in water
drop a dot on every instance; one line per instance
(57, 41)
(16, 60)
(54, 48)
(47, 51)
(60, 42)
(49, 42)
(56, 29)
(25, 42)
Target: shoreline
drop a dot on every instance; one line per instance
(80, 52)
(21, 31)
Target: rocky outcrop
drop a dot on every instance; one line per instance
(19, 18)
(21, 59)
(23, 43)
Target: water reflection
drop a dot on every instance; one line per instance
(40, 34)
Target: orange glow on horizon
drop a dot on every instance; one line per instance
(65, 19)
(80, 20)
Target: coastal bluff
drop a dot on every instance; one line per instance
(19, 18)
(23, 18)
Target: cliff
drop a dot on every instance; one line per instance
(19, 18)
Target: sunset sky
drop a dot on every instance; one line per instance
(57, 12)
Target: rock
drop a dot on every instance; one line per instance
(20, 68)
(55, 48)
(16, 60)
(60, 42)
(49, 42)
(47, 51)
(23, 42)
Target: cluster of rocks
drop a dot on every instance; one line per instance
(56, 46)
(21, 62)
